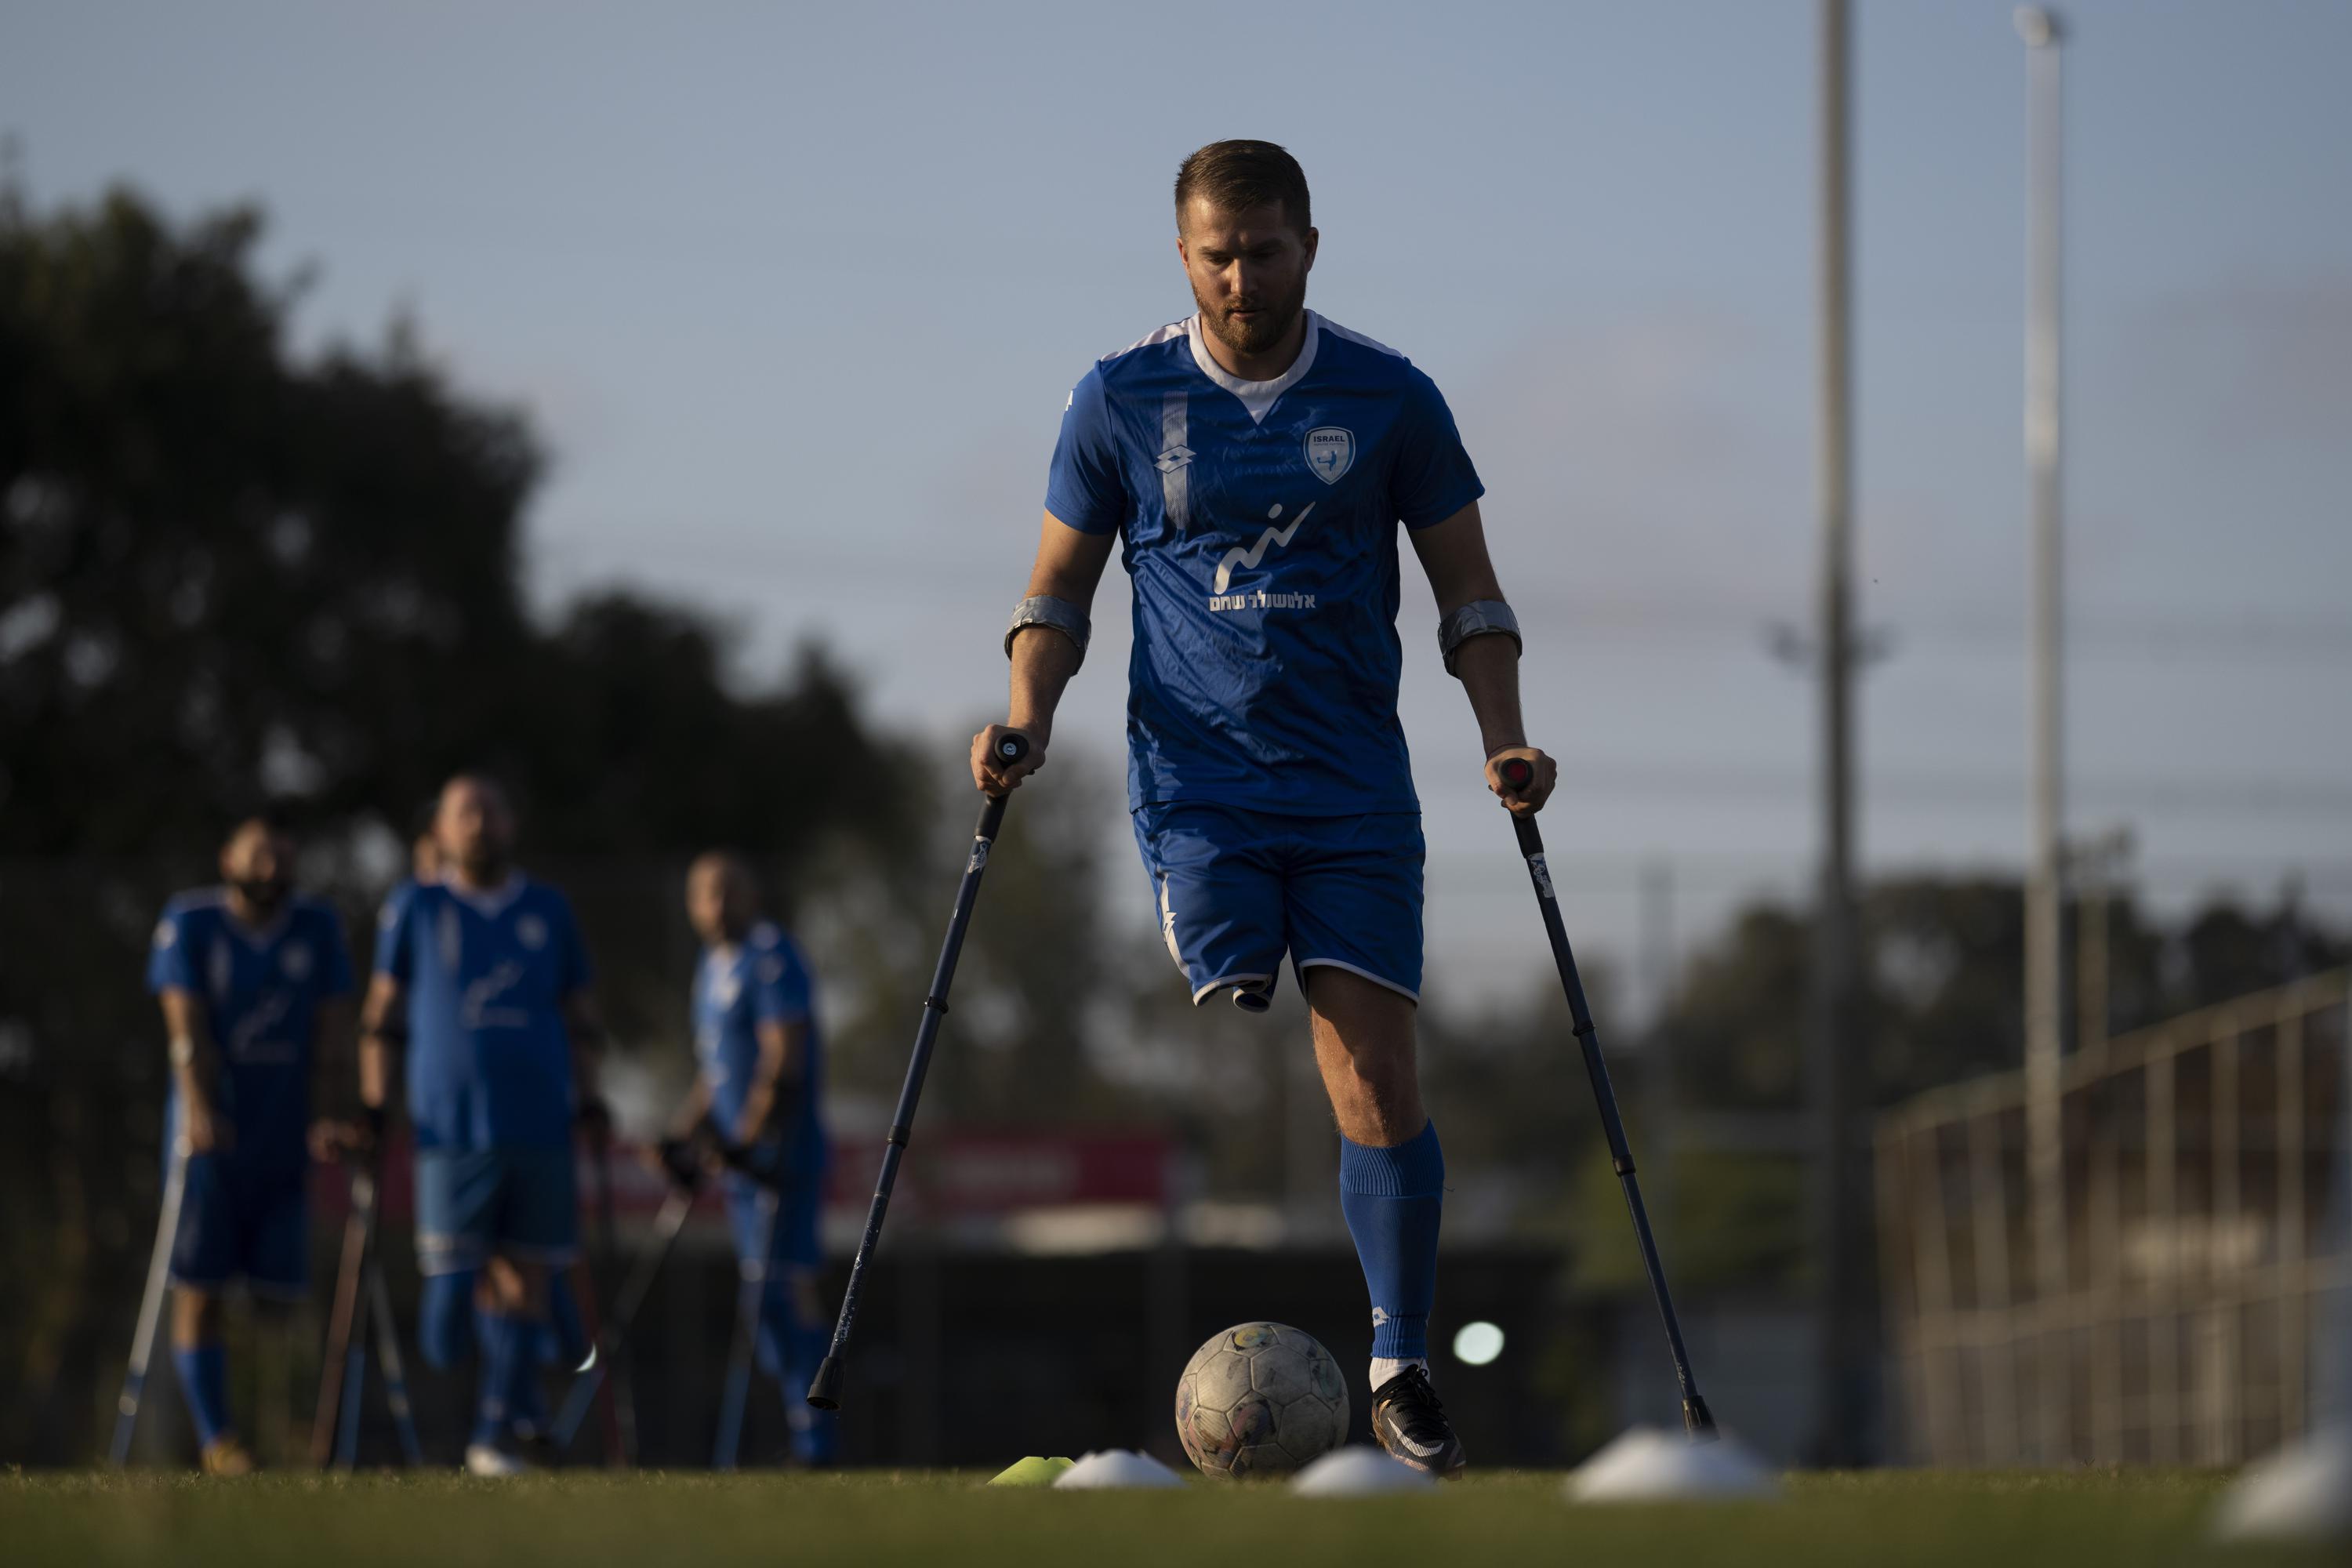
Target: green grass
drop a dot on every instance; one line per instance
(1892, 1520)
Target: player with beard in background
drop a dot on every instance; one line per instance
(252, 979)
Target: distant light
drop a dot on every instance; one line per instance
(1477, 1344)
(2037, 27)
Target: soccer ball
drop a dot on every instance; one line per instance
(1260, 1399)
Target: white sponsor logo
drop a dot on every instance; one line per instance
(1249, 556)
(295, 960)
(978, 857)
(479, 1010)
(1261, 600)
(1543, 876)
(1330, 452)
(250, 1041)
(1174, 459)
(1380, 1316)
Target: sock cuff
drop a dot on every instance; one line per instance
(1412, 1169)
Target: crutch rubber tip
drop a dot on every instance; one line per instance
(824, 1388)
(1697, 1420)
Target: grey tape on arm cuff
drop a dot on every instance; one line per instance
(1478, 618)
(1044, 610)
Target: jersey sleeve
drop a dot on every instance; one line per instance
(1431, 477)
(1084, 489)
(170, 965)
(335, 970)
(394, 954)
(781, 987)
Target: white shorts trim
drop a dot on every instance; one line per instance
(1223, 981)
(1307, 964)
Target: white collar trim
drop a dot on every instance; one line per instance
(1257, 396)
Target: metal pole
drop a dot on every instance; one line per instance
(1846, 1333)
(2045, 1152)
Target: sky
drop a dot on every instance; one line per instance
(795, 295)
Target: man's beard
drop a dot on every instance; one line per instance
(263, 894)
(484, 865)
(1261, 332)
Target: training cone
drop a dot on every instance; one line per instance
(2302, 1493)
(1037, 1470)
(1360, 1471)
(1114, 1467)
(1645, 1465)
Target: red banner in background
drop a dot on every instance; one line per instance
(973, 1171)
(951, 1170)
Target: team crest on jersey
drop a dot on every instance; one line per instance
(1330, 451)
(531, 931)
(295, 960)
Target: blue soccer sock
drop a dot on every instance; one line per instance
(568, 1343)
(496, 1344)
(204, 1382)
(518, 1366)
(1392, 1199)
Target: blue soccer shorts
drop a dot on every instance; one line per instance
(1237, 889)
(473, 1205)
(240, 1223)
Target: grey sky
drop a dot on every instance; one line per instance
(796, 294)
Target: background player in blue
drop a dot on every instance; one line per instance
(1253, 462)
(759, 1081)
(483, 976)
(252, 979)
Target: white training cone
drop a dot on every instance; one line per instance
(2302, 1493)
(1116, 1468)
(1645, 1465)
(1360, 1471)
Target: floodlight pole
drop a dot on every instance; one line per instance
(1844, 1352)
(2044, 1109)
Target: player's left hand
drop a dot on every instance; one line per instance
(1527, 802)
(332, 1141)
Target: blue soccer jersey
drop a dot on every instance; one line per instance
(762, 979)
(261, 992)
(489, 1060)
(1259, 523)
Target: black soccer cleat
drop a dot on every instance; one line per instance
(1411, 1425)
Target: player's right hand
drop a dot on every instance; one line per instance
(203, 1130)
(991, 773)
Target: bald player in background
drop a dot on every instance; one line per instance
(758, 1074)
(483, 978)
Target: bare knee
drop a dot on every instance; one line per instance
(195, 1317)
(517, 1290)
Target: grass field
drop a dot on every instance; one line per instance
(2079, 1519)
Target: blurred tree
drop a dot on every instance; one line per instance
(230, 575)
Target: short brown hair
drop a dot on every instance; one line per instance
(1235, 176)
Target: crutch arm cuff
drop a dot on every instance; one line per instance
(1478, 618)
(1044, 610)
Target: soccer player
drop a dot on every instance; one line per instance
(759, 1063)
(252, 977)
(483, 978)
(1253, 463)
